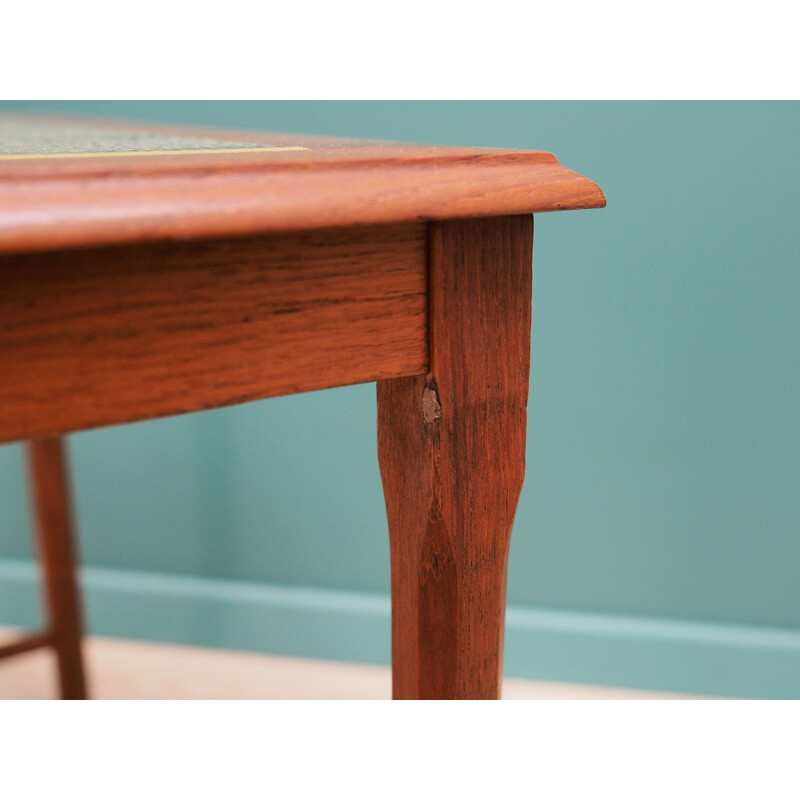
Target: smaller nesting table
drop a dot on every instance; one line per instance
(148, 271)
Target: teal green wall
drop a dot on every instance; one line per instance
(664, 426)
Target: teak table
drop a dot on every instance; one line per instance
(148, 271)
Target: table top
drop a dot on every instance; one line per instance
(73, 182)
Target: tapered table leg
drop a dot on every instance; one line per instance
(54, 538)
(452, 455)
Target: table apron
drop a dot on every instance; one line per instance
(102, 336)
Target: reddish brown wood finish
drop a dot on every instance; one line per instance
(452, 455)
(75, 202)
(140, 286)
(101, 336)
(51, 505)
(25, 644)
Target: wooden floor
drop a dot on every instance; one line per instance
(134, 670)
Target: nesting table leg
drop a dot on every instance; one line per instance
(54, 538)
(452, 455)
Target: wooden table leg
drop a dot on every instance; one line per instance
(452, 454)
(51, 504)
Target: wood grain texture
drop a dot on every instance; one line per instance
(452, 454)
(104, 200)
(102, 336)
(50, 495)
